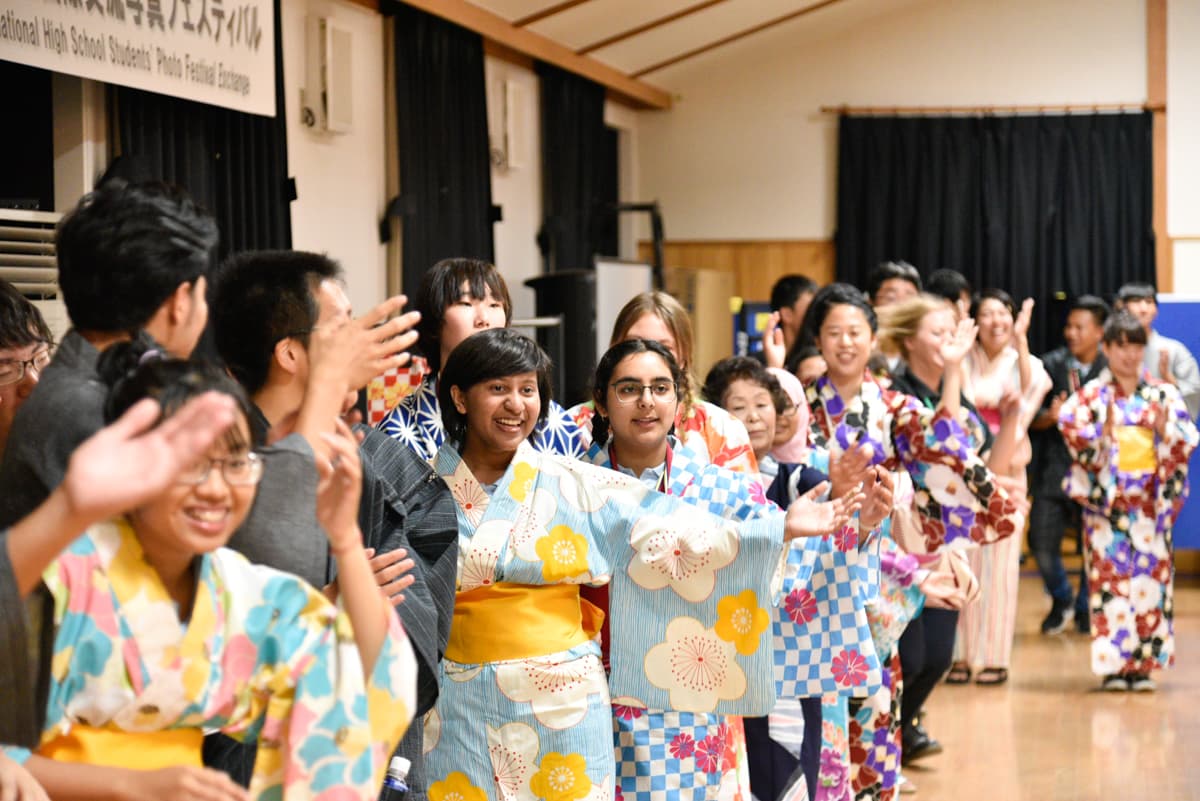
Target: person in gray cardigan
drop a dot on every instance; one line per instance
(270, 309)
(1166, 359)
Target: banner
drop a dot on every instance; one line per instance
(213, 51)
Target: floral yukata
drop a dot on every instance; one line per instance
(1132, 484)
(525, 709)
(709, 748)
(417, 422)
(956, 503)
(264, 657)
(710, 432)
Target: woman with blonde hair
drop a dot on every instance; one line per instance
(704, 427)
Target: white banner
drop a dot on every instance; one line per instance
(213, 51)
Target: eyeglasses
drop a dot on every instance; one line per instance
(238, 471)
(631, 391)
(13, 370)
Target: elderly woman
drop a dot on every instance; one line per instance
(525, 707)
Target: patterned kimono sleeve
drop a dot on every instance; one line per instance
(1081, 420)
(689, 600)
(957, 498)
(403, 423)
(1173, 450)
(327, 728)
(560, 434)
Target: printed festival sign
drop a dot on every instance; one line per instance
(214, 51)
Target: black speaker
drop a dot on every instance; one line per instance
(570, 294)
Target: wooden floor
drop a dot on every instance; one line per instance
(1049, 734)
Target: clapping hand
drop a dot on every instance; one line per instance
(1021, 324)
(942, 591)
(339, 488)
(851, 468)
(774, 350)
(956, 348)
(879, 499)
(808, 517)
(391, 571)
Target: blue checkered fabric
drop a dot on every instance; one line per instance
(663, 756)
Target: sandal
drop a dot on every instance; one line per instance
(960, 673)
(989, 677)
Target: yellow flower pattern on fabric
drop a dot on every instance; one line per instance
(561, 778)
(455, 787)
(523, 475)
(741, 621)
(563, 553)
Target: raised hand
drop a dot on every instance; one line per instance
(879, 499)
(366, 347)
(1021, 324)
(1164, 368)
(774, 350)
(133, 460)
(849, 469)
(1010, 404)
(956, 348)
(391, 573)
(338, 490)
(808, 517)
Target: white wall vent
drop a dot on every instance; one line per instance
(327, 100)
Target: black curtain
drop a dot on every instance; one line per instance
(27, 177)
(445, 167)
(578, 171)
(233, 163)
(1042, 206)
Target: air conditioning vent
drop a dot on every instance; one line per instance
(27, 261)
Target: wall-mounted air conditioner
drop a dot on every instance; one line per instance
(508, 124)
(326, 101)
(27, 261)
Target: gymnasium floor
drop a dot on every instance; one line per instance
(1049, 734)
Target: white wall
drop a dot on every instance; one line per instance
(1183, 142)
(746, 154)
(340, 178)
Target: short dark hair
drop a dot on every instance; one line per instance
(125, 248)
(617, 354)
(1123, 328)
(491, 353)
(889, 270)
(787, 290)
(441, 285)
(994, 294)
(1137, 290)
(21, 324)
(1092, 304)
(136, 369)
(735, 368)
(796, 356)
(828, 297)
(261, 297)
(948, 284)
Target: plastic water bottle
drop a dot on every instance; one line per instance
(395, 785)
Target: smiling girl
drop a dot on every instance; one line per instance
(162, 634)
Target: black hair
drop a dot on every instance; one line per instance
(1137, 290)
(948, 284)
(889, 270)
(787, 290)
(826, 298)
(1122, 328)
(608, 363)
(261, 297)
(137, 369)
(994, 294)
(441, 286)
(735, 368)
(1093, 304)
(799, 352)
(491, 353)
(21, 324)
(125, 249)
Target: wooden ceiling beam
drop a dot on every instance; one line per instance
(658, 23)
(557, 8)
(491, 26)
(728, 39)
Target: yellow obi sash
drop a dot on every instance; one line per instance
(502, 621)
(126, 749)
(1136, 454)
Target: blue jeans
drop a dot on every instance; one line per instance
(1049, 518)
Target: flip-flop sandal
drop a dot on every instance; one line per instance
(959, 674)
(989, 677)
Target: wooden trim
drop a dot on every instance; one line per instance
(1156, 94)
(624, 88)
(820, 241)
(506, 53)
(373, 5)
(620, 37)
(1065, 108)
(548, 12)
(740, 35)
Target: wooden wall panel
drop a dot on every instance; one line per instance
(756, 264)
